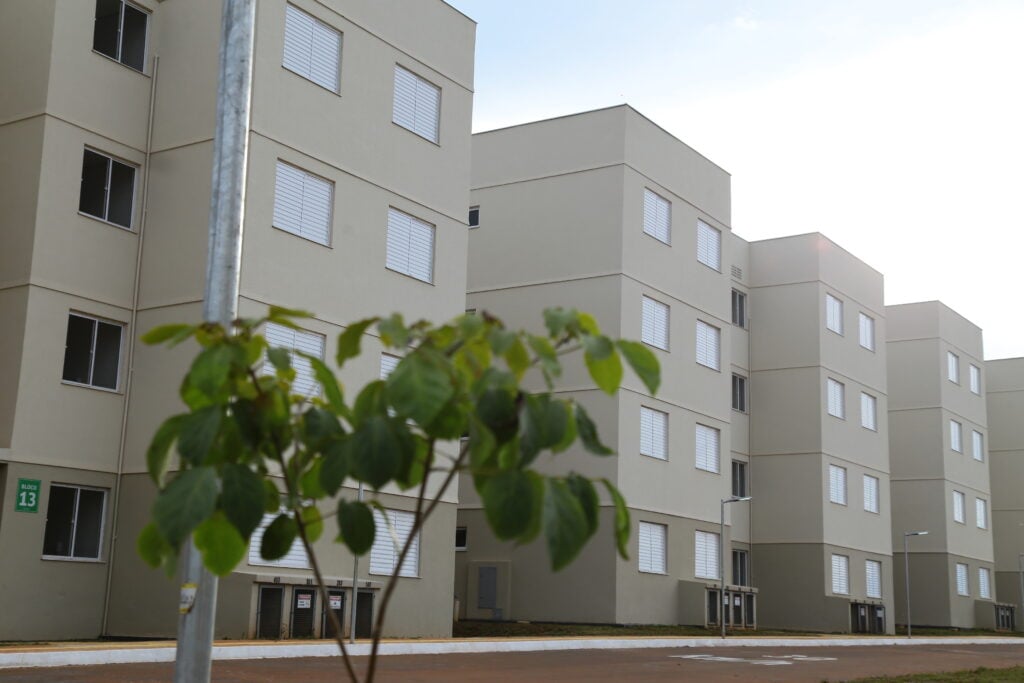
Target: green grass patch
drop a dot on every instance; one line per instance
(982, 675)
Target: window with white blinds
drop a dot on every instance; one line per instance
(312, 49)
(952, 367)
(653, 433)
(651, 540)
(870, 493)
(388, 363)
(975, 377)
(981, 513)
(302, 204)
(410, 246)
(977, 445)
(417, 105)
(868, 411)
(833, 314)
(836, 399)
(295, 558)
(708, 342)
(279, 336)
(837, 484)
(705, 552)
(984, 583)
(387, 546)
(707, 447)
(709, 245)
(841, 574)
(956, 436)
(657, 217)
(962, 586)
(873, 578)
(867, 332)
(654, 323)
(959, 507)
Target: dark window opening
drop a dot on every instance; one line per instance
(474, 216)
(108, 189)
(460, 538)
(739, 309)
(739, 478)
(92, 352)
(740, 568)
(74, 522)
(120, 32)
(739, 393)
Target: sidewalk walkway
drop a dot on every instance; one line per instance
(70, 654)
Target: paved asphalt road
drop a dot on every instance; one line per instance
(757, 665)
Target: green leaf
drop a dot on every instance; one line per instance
(271, 497)
(319, 427)
(508, 499)
(158, 454)
(450, 421)
(500, 340)
(280, 358)
(242, 498)
(541, 425)
(558, 319)
(547, 355)
(280, 314)
(197, 433)
(420, 385)
(210, 370)
(393, 331)
(644, 363)
(185, 503)
(586, 494)
(356, 527)
(335, 464)
(470, 325)
(414, 462)
(151, 546)
(377, 451)
(175, 333)
(603, 362)
(278, 537)
(587, 324)
(517, 358)
(496, 409)
(313, 523)
(565, 524)
(569, 437)
(220, 543)
(622, 524)
(588, 433)
(329, 383)
(372, 400)
(309, 483)
(349, 340)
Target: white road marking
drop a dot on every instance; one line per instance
(766, 660)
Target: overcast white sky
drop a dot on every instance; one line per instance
(895, 127)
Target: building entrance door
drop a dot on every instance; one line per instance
(268, 612)
(337, 605)
(303, 600)
(364, 615)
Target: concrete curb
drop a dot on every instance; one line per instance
(128, 655)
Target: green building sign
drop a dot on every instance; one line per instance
(27, 499)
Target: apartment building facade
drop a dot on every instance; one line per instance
(357, 188)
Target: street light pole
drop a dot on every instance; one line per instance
(721, 558)
(906, 569)
(1020, 566)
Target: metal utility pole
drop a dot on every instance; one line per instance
(355, 587)
(906, 570)
(220, 305)
(722, 606)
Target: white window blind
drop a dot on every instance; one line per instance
(386, 548)
(654, 323)
(837, 484)
(977, 445)
(707, 447)
(833, 314)
(959, 505)
(981, 513)
(312, 49)
(302, 204)
(867, 332)
(417, 104)
(295, 557)
(279, 336)
(709, 245)
(651, 540)
(873, 578)
(841, 574)
(388, 362)
(410, 245)
(956, 436)
(836, 399)
(953, 367)
(868, 411)
(705, 551)
(962, 587)
(708, 339)
(975, 377)
(870, 493)
(657, 217)
(984, 583)
(653, 433)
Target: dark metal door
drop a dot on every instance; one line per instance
(364, 615)
(337, 605)
(268, 612)
(303, 600)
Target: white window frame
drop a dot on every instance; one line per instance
(709, 246)
(840, 574)
(868, 411)
(873, 579)
(867, 331)
(977, 445)
(984, 583)
(325, 46)
(654, 323)
(738, 301)
(739, 391)
(871, 493)
(292, 340)
(959, 507)
(652, 548)
(706, 555)
(421, 123)
(952, 367)
(956, 436)
(837, 484)
(111, 160)
(975, 379)
(92, 352)
(71, 557)
(475, 209)
(295, 558)
(315, 203)
(834, 314)
(981, 513)
(708, 448)
(836, 394)
(657, 221)
(653, 433)
(403, 230)
(708, 345)
(963, 586)
(387, 546)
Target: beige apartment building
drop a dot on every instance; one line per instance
(357, 191)
(940, 471)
